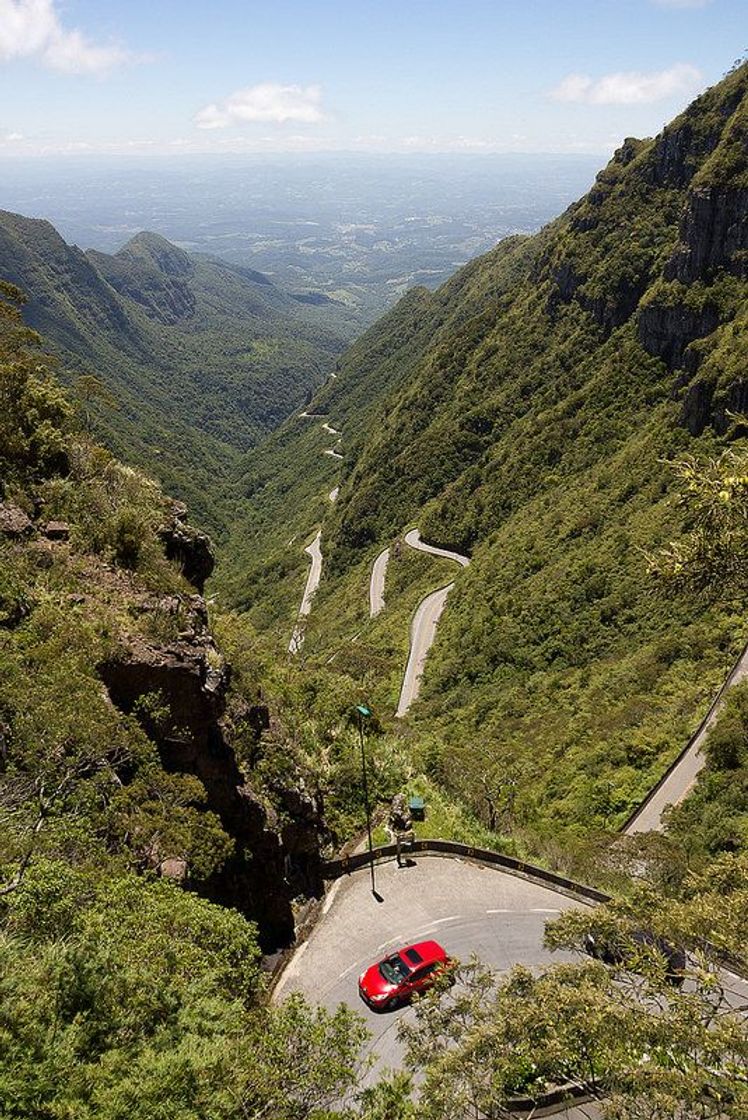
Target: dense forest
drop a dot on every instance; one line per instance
(531, 413)
(182, 361)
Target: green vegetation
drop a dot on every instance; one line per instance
(196, 359)
(625, 1036)
(137, 999)
(527, 413)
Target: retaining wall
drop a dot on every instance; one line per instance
(335, 868)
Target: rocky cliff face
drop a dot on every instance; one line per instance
(272, 862)
(179, 690)
(713, 235)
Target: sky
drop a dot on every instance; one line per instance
(182, 76)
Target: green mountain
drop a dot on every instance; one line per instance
(197, 359)
(525, 414)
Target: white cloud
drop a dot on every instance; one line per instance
(12, 137)
(32, 29)
(265, 102)
(628, 87)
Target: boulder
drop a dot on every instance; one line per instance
(57, 531)
(14, 523)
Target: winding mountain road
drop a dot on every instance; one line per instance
(376, 583)
(312, 583)
(467, 907)
(673, 787)
(314, 549)
(679, 780)
(423, 626)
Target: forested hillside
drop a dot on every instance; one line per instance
(196, 359)
(526, 414)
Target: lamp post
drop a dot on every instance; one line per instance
(364, 713)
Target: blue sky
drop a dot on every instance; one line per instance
(394, 75)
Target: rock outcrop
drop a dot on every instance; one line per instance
(713, 235)
(667, 330)
(14, 523)
(188, 547)
(273, 861)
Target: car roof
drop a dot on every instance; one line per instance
(428, 951)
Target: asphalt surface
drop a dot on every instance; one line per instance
(680, 780)
(466, 907)
(312, 583)
(376, 583)
(423, 626)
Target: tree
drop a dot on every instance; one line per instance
(625, 1034)
(712, 557)
(131, 999)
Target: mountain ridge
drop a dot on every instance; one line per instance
(224, 355)
(524, 413)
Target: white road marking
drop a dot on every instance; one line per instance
(392, 940)
(545, 910)
(331, 896)
(439, 921)
(499, 911)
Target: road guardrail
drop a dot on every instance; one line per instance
(335, 868)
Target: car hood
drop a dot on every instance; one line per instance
(374, 984)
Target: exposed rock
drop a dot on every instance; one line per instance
(267, 869)
(696, 412)
(713, 235)
(173, 869)
(666, 331)
(14, 522)
(190, 549)
(57, 531)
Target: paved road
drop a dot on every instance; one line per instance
(330, 430)
(333, 495)
(679, 781)
(312, 583)
(376, 583)
(331, 452)
(423, 626)
(468, 908)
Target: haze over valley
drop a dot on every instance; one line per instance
(359, 229)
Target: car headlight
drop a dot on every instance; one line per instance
(380, 997)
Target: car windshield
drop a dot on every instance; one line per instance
(394, 969)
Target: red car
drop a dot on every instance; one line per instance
(395, 979)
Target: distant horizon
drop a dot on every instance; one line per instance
(143, 158)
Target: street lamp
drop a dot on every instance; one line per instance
(364, 713)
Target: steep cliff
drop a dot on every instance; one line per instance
(524, 414)
(123, 743)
